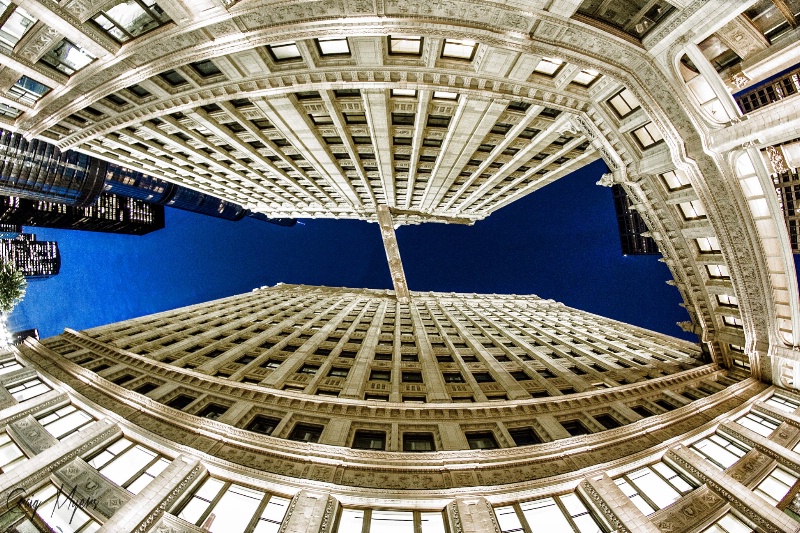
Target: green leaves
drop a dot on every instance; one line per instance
(12, 287)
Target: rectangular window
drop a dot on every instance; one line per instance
(585, 77)
(29, 389)
(728, 524)
(760, 424)
(263, 425)
(459, 49)
(692, 210)
(782, 403)
(9, 366)
(284, 51)
(405, 45)
(556, 513)
(127, 19)
(707, 244)
(334, 46)
(65, 421)
(727, 300)
(445, 95)
(10, 454)
(383, 521)
(481, 440)
(205, 68)
(336, 372)
(438, 121)
(776, 485)
(306, 433)
(575, 427)
(308, 369)
(380, 375)
(675, 179)
(412, 377)
(173, 78)
(524, 436)
(212, 411)
(369, 440)
(718, 271)
(403, 119)
(654, 487)
(719, 450)
(219, 505)
(647, 135)
(418, 442)
(548, 66)
(16, 24)
(60, 513)
(624, 103)
(67, 57)
(732, 321)
(129, 464)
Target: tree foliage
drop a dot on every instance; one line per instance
(12, 287)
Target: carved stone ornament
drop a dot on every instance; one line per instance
(777, 159)
(740, 80)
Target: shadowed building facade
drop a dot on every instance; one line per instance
(310, 409)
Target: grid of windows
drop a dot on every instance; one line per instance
(758, 423)
(719, 450)
(223, 507)
(785, 404)
(128, 19)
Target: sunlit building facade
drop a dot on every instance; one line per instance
(314, 409)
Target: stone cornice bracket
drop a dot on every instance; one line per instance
(616, 177)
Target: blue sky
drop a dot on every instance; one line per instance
(560, 242)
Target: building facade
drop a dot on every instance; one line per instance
(35, 259)
(422, 111)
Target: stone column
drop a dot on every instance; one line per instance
(472, 515)
(310, 512)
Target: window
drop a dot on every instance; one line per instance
(732, 321)
(271, 363)
(676, 179)
(653, 487)
(692, 210)
(524, 436)
(306, 433)
(380, 375)
(129, 464)
(128, 19)
(28, 91)
(60, 517)
(180, 401)
(728, 524)
(585, 77)
(262, 424)
(404, 93)
(459, 49)
(284, 51)
(718, 271)
(10, 454)
(647, 135)
(438, 121)
(65, 421)
(557, 513)
(483, 377)
(336, 372)
(548, 66)
(67, 58)
(212, 411)
(727, 300)
(9, 366)
(418, 442)
(381, 521)
(776, 485)
(405, 45)
(719, 450)
(707, 244)
(206, 68)
(173, 78)
(15, 25)
(29, 389)
(760, 424)
(334, 46)
(412, 377)
(624, 103)
(355, 118)
(607, 421)
(782, 403)
(575, 427)
(308, 369)
(144, 388)
(453, 377)
(369, 440)
(481, 440)
(246, 359)
(445, 95)
(402, 119)
(233, 507)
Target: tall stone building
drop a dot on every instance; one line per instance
(315, 409)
